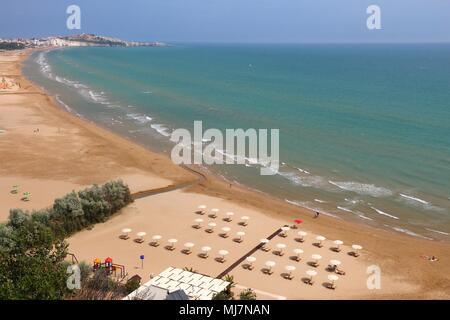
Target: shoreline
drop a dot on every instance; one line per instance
(397, 253)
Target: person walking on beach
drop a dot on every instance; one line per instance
(317, 215)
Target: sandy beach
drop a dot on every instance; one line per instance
(49, 152)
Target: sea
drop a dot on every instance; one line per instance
(364, 128)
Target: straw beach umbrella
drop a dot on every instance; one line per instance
(244, 221)
(356, 248)
(319, 241)
(269, 264)
(301, 236)
(229, 216)
(140, 236)
(281, 247)
(316, 258)
(125, 233)
(239, 236)
(338, 244)
(172, 243)
(201, 209)
(188, 246)
(297, 253)
(225, 231)
(333, 264)
(311, 274)
(205, 252)
(222, 254)
(250, 261)
(198, 223)
(284, 231)
(211, 227)
(214, 213)
(264, 246)
(332, 278)
(289, 270)
(155, 242)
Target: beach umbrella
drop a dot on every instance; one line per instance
(108, 260)
(356, 248)
(302, 235)
(281, 246)
(316, 257)
(284, 231)
(320, 239)
(265, 241)
(214, 212)
(311, 273)
(198, 222)
(188, 246)
(338, 243)
(141, 235)
(212, 225)
(298, 221)
(270, 264)
(245, 220)
(289, 269)
(97, 261)
(334, 263)
(202, 207)
(156, 238)
(223, 253)
(206, 249)
(298, 252)
(250, 259)
(333, 278)
(126, 231)
(172, 242)
(229, 215)
(240, 234)
(226, 230)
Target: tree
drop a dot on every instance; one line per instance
(247, 294)
(31, 260)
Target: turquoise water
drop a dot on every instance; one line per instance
(364, 129)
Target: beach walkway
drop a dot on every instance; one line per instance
(242, 259)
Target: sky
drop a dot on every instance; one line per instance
(233, 21)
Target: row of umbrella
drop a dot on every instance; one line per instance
(310, 273)
(228, 215)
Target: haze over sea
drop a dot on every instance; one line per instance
(364, 129)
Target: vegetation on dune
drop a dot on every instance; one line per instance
(11, 46)
(33, 249)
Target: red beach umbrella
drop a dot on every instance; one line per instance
(108, 260)
(298, 221)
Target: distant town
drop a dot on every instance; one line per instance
(82, 40)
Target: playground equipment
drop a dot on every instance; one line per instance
(110, 268)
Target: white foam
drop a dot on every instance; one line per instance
(140, 118)
(437, 231)
(161, 129)
(408, 232)
(345, 209)
(385, 214)
(319, 201)
(362, 188)
(414, 199)
(305, 205)
(364, 217)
